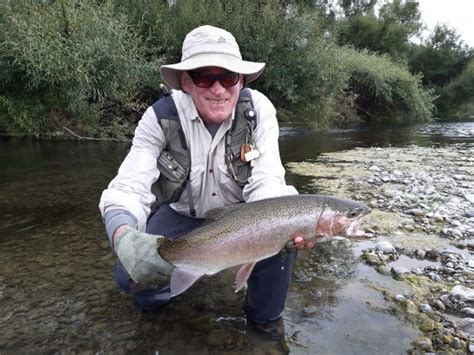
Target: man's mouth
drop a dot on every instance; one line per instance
(217, 102)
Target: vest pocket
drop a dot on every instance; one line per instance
(230, 190)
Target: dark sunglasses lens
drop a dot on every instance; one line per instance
(202, 80)
(229, 79)
(207, 80)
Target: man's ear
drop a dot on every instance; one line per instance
(184, 81)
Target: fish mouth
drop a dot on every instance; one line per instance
(353, 231)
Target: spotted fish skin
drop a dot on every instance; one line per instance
(247, 233)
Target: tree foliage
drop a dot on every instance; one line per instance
(77, 58)
(387, 33)
(93, 65)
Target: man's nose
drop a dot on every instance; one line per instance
(217, 87)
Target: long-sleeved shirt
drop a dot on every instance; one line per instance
(128, 198)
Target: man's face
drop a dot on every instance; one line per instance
(216, 102)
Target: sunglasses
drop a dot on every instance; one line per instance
(203, 80)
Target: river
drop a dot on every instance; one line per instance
(56, 289)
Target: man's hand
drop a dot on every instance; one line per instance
(138, 253)
(300, 243)
(297, 241)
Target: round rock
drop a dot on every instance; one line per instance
(465, 293)
(385, 247)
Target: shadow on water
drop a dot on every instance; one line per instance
(56, 287)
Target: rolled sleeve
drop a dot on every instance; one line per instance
(130, 190)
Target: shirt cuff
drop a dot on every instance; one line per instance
(115, 218)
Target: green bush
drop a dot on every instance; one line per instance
(385, 90)
(456, 98)
(79, 57)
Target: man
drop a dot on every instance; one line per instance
(188, 133)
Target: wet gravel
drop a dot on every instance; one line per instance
(422, 200)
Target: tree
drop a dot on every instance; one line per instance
(389, 33)
(441, 58)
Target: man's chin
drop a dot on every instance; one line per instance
(216, 118)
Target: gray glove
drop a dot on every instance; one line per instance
(138, 253)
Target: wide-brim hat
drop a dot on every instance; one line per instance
(208, 46)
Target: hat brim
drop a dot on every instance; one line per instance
(250, 70)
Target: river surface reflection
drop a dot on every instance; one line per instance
(56, 288)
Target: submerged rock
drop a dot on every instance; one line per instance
(465, 293)
(385, 247)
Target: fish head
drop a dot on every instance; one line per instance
(342, 218)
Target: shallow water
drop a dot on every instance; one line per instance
(56, 287)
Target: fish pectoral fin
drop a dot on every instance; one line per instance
(181, 280)
(243, 275)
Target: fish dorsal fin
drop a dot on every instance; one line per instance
(216, 213)
(181, 280)
(243, 275)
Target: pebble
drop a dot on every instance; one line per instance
(385, 247)
(399, 270)
(400, 298)
(456, 344)
(425, 308)
(424, 344)
(468, 311)
(375, 168)
(469, 197)
(439, 305)
(470, 213)
(465, 293)
(420, 253)
(416, 212)
(432, 254)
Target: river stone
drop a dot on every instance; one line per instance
(432, 254)
(439, 305)
(469, 197)
(384, 247)
(468, 311)
(416, 212)
(397, 271)
(470, 213)
(425, 308)
(424, 344)
(420, 253)
(427, 325)
(372, 259)
(400, 298)
(375, 168)
(464, 292)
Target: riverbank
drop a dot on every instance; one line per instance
(423, 216)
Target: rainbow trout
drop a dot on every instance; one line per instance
(246, 233)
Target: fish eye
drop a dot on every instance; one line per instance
(354, 212)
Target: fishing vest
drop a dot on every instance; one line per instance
(174, 162)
